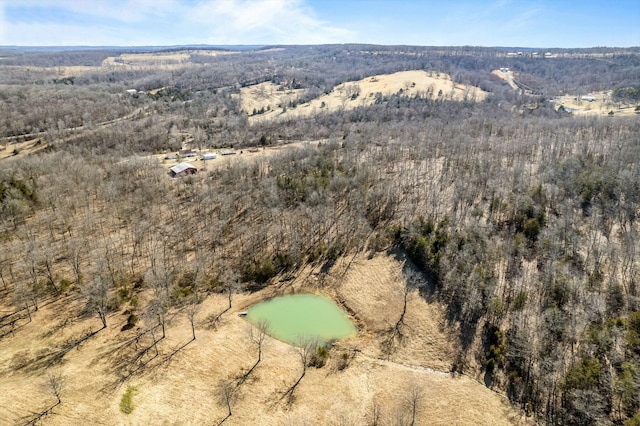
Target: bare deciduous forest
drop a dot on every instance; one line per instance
(518, 218)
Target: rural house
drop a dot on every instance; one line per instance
(182, 169)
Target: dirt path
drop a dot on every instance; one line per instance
(506, 75)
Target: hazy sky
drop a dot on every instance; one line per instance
(523, 23)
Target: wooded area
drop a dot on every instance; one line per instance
(522, 219)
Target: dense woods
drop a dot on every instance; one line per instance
(522, 219)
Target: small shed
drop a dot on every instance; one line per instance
(210, 156)
(182, 169)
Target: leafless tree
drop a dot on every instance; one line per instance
(376, 413)
(96, 293)
(257, 334)
(413, 280)
(76, 252)
(22, 296)
(160, 280)
(5, 263)
(192, 307)
(157, 308)
(230, 286)
(412, 398)
(305, 347)
(226, 394)
(56, 383)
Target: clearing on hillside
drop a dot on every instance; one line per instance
(271, 101)
(178, 385)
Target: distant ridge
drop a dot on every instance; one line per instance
(132, 48)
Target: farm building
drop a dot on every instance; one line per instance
(182, 169)
(187, 153)
(587, 98)
(209, 156)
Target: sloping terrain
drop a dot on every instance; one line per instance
(594, 103)
(277, 102)
(520, 219)
(590, 104)
(157, 59)
(179, 385)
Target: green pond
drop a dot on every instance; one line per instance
(302, 316)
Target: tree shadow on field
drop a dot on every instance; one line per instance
(54, 357)
(35, 418)
(488, 378)
(427, 288)
(9, 327)
(129, 357)
(137, 356)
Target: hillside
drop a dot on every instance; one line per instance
(181, 387)
(486, 248)
(268, 101)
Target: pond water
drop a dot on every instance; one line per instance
(305, 316)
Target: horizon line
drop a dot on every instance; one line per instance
(261, 46)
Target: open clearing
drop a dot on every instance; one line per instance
(241, 156)
(275, 100)
(601, 105)
(158, 59)
(506, 75)
(130, 61)
(180, 389)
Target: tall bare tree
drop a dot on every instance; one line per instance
(257, 334)
(96, 293)
(305, 347)
(56, 384)
(226, 394)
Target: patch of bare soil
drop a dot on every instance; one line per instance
(506, 75)
(179, 384)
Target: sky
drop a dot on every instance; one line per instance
(513, 23)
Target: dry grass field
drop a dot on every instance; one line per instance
(179, 387)
(131, 61)
(163, 60)
(601, 106)
(241, 156)
(351, 95)
(20, 149)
